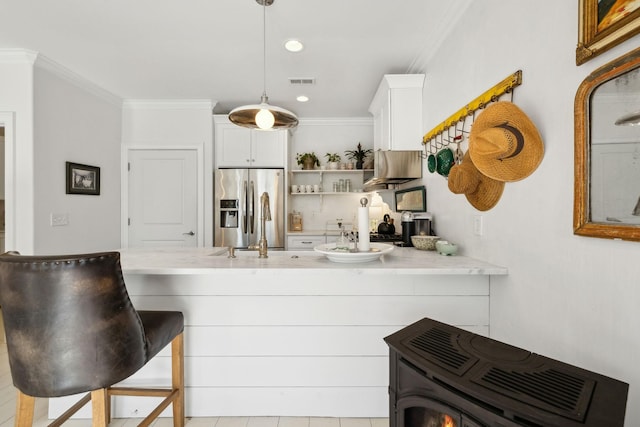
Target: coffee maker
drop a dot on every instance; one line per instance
(423, 223)
(408, 228)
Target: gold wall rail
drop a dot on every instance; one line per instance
(505, 86)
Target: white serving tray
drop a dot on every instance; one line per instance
(376, 251)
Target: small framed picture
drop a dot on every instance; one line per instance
(83, 179)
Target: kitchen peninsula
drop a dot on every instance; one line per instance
(296, 334)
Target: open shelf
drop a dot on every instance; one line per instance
(331, 170)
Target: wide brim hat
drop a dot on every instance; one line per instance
(481, 191)
(504, 143)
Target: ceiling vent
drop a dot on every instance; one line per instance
(302, 80)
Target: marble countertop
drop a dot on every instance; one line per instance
(214, 260)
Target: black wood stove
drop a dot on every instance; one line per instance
(443, 376)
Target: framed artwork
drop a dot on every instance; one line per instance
(604, 24)
(83, 179)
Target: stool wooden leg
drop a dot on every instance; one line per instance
(107, 409)
(24, 410)
(177, 378)
(99, 407)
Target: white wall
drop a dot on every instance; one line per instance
(567, 297)
(156, 124)
(51, 114)
(330, 135)
(74, 123)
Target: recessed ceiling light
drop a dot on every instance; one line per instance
(302, 98)
(293, 45)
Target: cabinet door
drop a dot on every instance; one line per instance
(268, 148)
(238, 147)
(233, 146)
(304, 242)
(381, 129)
(405, 119)
(397, 112)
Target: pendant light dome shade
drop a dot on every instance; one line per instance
(263, 116)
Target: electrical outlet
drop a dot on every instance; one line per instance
(58, 219)
(477, 225)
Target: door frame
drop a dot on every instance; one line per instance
(7, 120)
(124, 187)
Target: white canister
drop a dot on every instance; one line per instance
(308, 188)
(316, 188)
(294, 189)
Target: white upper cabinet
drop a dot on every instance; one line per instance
(397, 112)
(239, 147)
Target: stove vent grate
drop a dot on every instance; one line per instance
(438, 346)
(552, 390)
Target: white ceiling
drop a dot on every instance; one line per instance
(213, 49)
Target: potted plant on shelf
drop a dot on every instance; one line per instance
(358, 155)
(307, 160)
(333, 160)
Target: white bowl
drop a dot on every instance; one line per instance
(424, 243)
(446, 248)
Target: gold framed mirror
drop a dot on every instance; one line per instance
(607, 151)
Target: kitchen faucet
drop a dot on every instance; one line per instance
(265, 215)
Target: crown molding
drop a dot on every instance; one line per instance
(77, 80)
(335, 121)
(169, 104)
(35, 59)
(444, 28)
(17, 56)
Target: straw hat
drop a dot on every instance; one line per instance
(481, 191)
(504, 143)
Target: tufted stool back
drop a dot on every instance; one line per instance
(70, 325)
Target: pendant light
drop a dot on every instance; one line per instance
(263, 116)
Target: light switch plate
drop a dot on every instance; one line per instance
(477, 225)
(58, 219)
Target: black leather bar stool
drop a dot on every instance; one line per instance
(71, 328)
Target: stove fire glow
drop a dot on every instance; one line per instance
(448, 421)
(427, 417)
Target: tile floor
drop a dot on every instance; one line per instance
(8, 402)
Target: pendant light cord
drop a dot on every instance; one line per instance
(264, 48)
(263, 116)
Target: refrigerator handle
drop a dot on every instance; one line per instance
(244, 209)
(253, 206)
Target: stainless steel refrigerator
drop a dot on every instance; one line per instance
(237, 207)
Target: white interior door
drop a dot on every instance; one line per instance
(163, 198)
